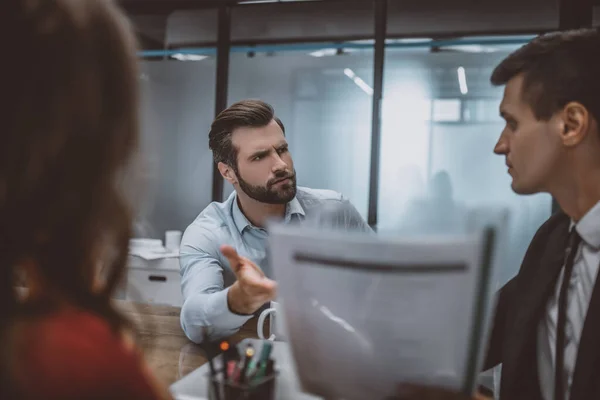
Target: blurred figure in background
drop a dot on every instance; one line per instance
(409, 185)
(69, 128)
(436, 213)
(440, 189)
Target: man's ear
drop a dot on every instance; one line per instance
(227, 173)
(576, 121)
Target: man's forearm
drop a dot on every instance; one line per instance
(210, 310)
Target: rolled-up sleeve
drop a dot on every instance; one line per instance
(202, 286)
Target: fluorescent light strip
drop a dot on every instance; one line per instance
(363, 85)
(188, 57)
(324, 52)
(358, 81)
(462, 80)
(471, 48)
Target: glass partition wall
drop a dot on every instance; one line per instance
(315, 62)
(440, 124)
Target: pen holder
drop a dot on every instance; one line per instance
(261, 389)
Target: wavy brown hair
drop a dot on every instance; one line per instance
(68, 128)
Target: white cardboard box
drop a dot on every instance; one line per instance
(154, 281)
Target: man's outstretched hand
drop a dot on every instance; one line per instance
(252, 288)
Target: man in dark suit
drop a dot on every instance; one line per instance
(546, 334)
(546, 330)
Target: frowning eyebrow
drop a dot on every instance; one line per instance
(259, 154)
(265, 152)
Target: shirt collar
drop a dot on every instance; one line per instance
(241, 222)
(293, 208)
(589, 227)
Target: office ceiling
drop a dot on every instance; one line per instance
(180, 23)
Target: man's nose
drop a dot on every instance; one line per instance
(279, 164)
(501, 146)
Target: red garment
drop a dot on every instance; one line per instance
(73, 354)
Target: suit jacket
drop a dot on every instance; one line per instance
(521, 304)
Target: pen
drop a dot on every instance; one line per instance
(265, 353)
(224, 346)
(248, 357)
(231, 371)
(260, 372)
(265, 369)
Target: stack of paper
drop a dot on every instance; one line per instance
(365, 314)
(150, 249)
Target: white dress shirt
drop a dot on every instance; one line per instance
(585, 271)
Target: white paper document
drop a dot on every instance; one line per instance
(154, 253)
(150, 249)
(365, 313)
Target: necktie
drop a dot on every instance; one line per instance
(560, 380)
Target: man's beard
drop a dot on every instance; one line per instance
(270, 194)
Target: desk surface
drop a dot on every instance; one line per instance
(169, 353)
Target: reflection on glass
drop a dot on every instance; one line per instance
(177, 107)
(439, 126)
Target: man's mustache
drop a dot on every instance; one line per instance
(277, 179)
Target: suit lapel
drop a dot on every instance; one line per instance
(535, 290)
(588, 347)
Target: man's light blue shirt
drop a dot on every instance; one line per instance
(205, 273)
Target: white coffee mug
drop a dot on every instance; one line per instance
(173, 240)
(272, 324)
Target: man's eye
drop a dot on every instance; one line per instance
(282, 150)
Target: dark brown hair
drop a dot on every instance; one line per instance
(246, 113)
(558, 68)
(69, 126)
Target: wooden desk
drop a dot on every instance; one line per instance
(170, 354)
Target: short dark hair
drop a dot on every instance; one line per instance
(558, 68)
(245, 113)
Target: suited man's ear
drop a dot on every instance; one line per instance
(576, 120)
(227, 173)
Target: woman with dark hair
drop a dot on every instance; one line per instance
(69, 127)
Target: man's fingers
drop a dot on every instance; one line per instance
(250, 264)
(250, 281)
(235, 261)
